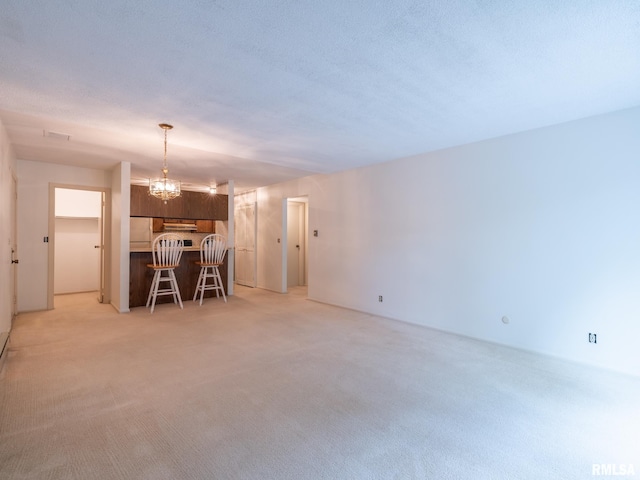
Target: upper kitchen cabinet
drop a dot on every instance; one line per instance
(145, 205)
(189, 205)
(206, 206)
(140, 202)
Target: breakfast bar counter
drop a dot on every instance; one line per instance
(140, 276)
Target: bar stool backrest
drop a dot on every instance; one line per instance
(212, 249)
(167, 250)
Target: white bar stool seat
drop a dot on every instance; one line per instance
(212, 251)
(167, 252)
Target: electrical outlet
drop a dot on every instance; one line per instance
(380, 298)
(592, 338)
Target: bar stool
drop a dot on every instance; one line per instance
(167, 251)
(212, 251)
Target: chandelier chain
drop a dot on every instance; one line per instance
(165, 150)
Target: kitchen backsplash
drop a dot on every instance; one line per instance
(196, 238)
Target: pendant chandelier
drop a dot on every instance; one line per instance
(164, 188)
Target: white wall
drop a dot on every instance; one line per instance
(272, 230)
(33, 222)
(7, 204)
(540, 226)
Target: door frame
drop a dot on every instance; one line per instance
(105, 244)
(14, 247)
(304, 263)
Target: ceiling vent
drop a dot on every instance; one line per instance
(57, 135)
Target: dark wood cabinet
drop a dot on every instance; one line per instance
(145, 205)
(206, 206)
(205, 226)
(173, 208)
(158, 225)
(195, 205)
(189, 205)
(140, 201)
(218, 205)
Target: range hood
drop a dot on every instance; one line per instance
(179, 227)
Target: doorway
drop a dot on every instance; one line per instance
(297, 242)
(78, 226)
(13, 207)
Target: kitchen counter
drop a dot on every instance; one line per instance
(147, 249)
(140, 276)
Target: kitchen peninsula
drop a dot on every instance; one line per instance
(200, 210)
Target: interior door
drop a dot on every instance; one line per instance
(293, 244)
(14, 249)
(100, 247)
(245, 239)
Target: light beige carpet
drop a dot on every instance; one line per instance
(272, 386)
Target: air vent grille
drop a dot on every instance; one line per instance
(56, 135)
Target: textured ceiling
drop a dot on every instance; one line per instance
(265, 91)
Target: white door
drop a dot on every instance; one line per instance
(295, 244)
(100, 247)
(245, 239)
(14, 249)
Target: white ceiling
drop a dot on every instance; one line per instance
(265, 91)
